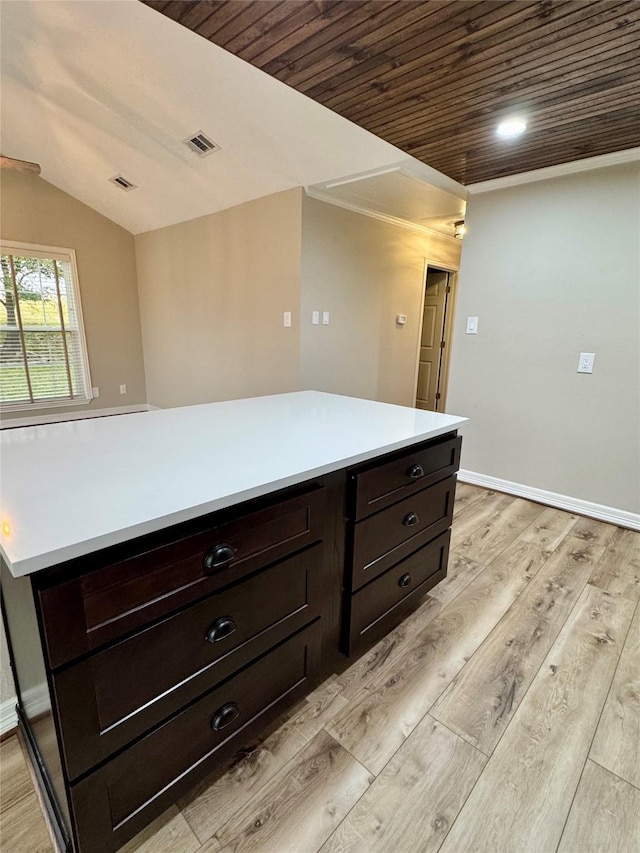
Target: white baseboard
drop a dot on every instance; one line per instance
(35, 701)
(8, 716)
(38, 420)
(603, 513)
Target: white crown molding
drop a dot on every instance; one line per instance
(38, 420)
(630, 155)
(620, 517)
(376, 214)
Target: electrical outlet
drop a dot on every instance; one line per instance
(123, 389)
(585, 362)
(95, 391)
(287, 318)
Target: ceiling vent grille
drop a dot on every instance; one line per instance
(200, 144)
(123, 183)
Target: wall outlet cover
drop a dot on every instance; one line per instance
(585, 362)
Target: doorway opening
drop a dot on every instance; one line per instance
(433, 351)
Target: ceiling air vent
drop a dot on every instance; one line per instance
(200, 144)
(123, 183)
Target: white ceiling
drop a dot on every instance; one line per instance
(401, 192)
(103, 87)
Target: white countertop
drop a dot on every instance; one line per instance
(68, 489)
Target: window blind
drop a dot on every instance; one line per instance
(42, 351)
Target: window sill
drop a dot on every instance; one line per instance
(40, 420)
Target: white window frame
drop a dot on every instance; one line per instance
(56, 253)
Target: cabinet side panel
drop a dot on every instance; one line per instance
(33, 693)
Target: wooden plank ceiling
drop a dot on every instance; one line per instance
(434, 77)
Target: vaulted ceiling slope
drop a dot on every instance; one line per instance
(434, 77)
(91, 90)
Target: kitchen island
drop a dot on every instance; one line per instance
(173, 580)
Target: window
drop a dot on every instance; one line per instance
(43, 354)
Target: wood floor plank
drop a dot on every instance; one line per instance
(170, 833)
(619, 568)
(214, 803)
(605, 815)
(15, 782)
(496, 532)
(550, 528)
(467, 494)
(396, 643)
(23, 829)
(616, 745)
(416, 798)
(460, 572)
(375, 723)
(476, 515)
(301, 806)
(596, 532)
(523, 797)
(484, 696)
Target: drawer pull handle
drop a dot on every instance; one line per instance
(225, 716)
(415, 472)
(405, 580)
(411, 519)
(220, 629)
(219, 557)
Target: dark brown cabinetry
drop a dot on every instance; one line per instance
(397, 537)
(162, 657)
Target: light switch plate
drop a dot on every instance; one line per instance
(325, 318)
(585, 362)
(287, 318)
(472, 325)
(315, 317)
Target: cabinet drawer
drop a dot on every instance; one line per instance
(114, 696)
(408, 473)
(381, 605)
(103, 605)
(120, 798)
(384, 539)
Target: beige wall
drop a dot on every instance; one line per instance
(364, 272)
(34, 211)
(212, 295)
(552, 269)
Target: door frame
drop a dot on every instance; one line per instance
(447, 328)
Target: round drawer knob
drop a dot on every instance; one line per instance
(415, 472)
(221, 628)
(225, 716)
(405, 580)
(411, 519)
(219, 556)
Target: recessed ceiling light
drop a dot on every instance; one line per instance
(511, 127)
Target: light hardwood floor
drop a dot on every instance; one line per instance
(502, 716)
